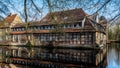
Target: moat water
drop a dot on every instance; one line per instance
(113, 58)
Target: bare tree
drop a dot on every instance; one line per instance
(35, 8)
(3, 10)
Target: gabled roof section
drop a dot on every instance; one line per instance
(10, 18)
(68, 16)
(97, 26)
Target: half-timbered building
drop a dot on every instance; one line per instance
(62, 28)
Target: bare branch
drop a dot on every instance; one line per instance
(113, 19)
(25, 10)
(35, 6)
(49, 5)
(103, 5)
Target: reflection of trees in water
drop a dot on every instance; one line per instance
(116, 55)
(117, 48)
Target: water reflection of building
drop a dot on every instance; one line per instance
(70, 27)
(55, 57)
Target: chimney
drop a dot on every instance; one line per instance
(10, 14)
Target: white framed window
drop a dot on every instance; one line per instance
(41, 27)
(48, 27)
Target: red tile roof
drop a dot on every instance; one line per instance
(7, 21)
(10, 18)
(68, 16)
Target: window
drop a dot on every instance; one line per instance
(56, 38)
(90, 39)
(38, 27)
(75, 25)
(35, 27)
(82, 39)
(78, 38)
(13, 29)
(45, 27)
(75, 36)
(50, 37)
(52, 27)
(41, 27)
(48, 27)
(42, 37)
(69, 26)
(47, 37)
(19, 29)
(64, 26)
(86, 38)
(80, 24)
(23, 29)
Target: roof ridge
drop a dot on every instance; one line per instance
(69, 10)
(76, 13)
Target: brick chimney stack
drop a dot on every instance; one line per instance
(10, 14)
